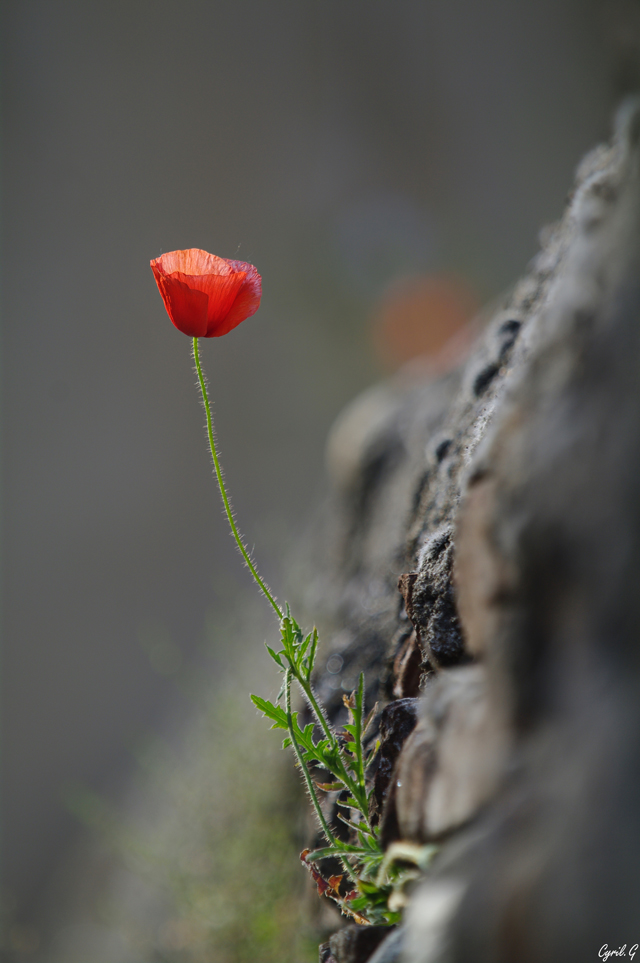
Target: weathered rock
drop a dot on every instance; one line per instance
(454, 760)
(387, 945)
(377, 463)
(391, 949)
(397, 721)
(355, 944)
(430, 604)
(407, 664)
(559, 519)
(324, 954)
(516, 522)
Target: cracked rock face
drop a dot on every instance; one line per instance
(483, 571)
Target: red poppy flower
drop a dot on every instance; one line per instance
(206, 296)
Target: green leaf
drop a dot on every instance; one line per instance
(292, 628)
(291, 635)
(372, 843)
(276, 658)
(308, 734)
(371, 889)
(276, 713)
(359, 903)
(302, 648)
(312, 653)
(361, 840)
(312, 755)
(287, 742)
(341, 849)
(359, 829)
(360, 695)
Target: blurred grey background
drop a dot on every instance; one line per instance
(336, 145)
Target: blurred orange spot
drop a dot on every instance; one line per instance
(425, 317)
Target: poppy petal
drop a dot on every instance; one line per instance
(186, 307)
(205, 295)
(246, 303)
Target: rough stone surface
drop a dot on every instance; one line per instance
(453, 761)
(377, 463)
(356, 944)
(506, 500)
(397, 720)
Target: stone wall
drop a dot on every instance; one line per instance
(483, 569)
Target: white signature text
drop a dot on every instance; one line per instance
(604, 953)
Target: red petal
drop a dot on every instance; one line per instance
(186, 308)
(246, 303)
(193, 262)
(206, 296)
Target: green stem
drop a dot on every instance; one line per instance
(313, 702)
(221, 485)
(309, 781)
(353, 786)
(358, 722)
(303, 766)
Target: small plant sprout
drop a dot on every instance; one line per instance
(207, 296)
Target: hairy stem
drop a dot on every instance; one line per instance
(352, 785)
(358, 722)
(223, 491)
(303, 766)
(319, 713)
(307, 775)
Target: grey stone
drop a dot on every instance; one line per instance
(516, 528)
(390, 951)
(454, 760)
(356, 944)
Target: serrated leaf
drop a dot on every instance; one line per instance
(276, 658)
(271, 711)
(287, 742)
(312, 652)
(308, 734)
(302, 648)
(312, 755)
(288, 635)
(341, 849)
